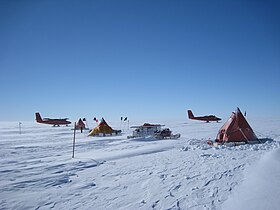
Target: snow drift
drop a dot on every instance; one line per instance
(37, 171)
(260, 189)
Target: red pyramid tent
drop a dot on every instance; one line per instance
(236, 129)
(80, 124)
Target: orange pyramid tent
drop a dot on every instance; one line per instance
(102, 128)
(236, 129)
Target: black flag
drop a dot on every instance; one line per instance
(125, 119)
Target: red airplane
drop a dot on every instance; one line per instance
(54, 122)
(206, 118)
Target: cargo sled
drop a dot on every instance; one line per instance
(145, 130)
(166, 134)
(153, 130)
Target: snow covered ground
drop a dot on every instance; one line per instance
(37, 171)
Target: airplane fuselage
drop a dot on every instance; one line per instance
(54, 122)
(206, 118)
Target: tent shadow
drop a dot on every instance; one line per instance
(144, 139)
(261, 141)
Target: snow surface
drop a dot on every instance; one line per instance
(260, 189)
(37, 171)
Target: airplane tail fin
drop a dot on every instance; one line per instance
(190, 114)
(38, 117)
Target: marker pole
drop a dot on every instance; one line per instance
(19, 125)
(74, 138)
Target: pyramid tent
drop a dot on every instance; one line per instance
(102, 128)
(80, 124)
(236, 129)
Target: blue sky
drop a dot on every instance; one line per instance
(148, 60)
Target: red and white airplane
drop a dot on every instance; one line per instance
(206, 118)
(54, 122)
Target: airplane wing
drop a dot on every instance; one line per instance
(55, 119)
(61, 119)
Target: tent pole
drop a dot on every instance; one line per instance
(121, 124)
(243, 134)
